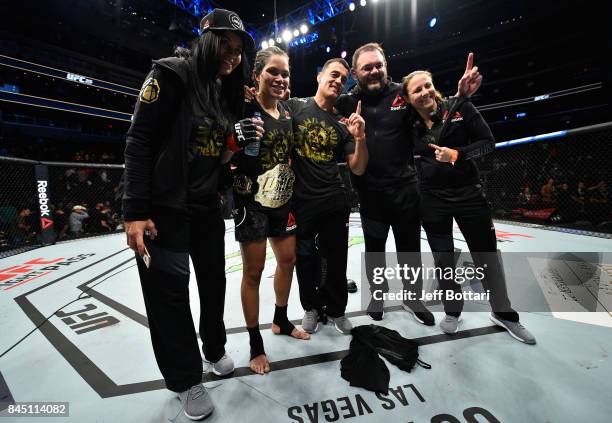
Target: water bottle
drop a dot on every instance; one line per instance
(252, 149)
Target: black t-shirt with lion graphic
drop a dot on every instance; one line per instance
(321, 140)
(207, 145)
(274, 147)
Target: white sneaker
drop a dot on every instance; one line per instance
(450, 324)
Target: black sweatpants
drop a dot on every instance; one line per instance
(165, 288)
(398, 209)
(473, 216)
(321, 254)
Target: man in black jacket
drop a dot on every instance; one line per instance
(387, 190)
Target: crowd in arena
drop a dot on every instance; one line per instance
(560, 185)
(69, 222)
(576, 202)
(84, 202)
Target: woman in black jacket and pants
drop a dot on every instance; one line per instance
(186, 119)
(448, 135)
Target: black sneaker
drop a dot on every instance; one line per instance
(420, 313)
(376, 309)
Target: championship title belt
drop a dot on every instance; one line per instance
(275, 186)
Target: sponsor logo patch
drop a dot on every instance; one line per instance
(457, 117)
(399, 103)
(291, 225)
(235, 21)
(149, 93)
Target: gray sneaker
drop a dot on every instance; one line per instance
(196, 402)
(310, 321)
(450, 324)
(223, 367)
(515, 329)
(342, 324)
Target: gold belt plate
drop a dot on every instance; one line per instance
(275, 186)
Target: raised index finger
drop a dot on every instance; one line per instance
(358, 110)
(470, 62)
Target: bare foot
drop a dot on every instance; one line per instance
(260, 364)
(295, 333)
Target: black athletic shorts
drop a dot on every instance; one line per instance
(254, 222)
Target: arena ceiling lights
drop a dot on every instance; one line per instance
(305, 17)
(293, 29)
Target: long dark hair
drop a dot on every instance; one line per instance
(225, 102)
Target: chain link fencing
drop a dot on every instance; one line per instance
(559, 180)
(45, 202)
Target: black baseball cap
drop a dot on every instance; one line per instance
(226, 20)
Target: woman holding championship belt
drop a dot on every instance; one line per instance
(449, 134)
(263, 186)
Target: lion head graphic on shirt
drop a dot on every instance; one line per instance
(279, 142)
(316, 140)
(209, 139)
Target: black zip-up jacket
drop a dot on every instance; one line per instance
(388, 136)
(460, 127)
(159, 144)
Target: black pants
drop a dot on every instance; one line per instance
(398, 209)
(475, 222)
(321, 254)
(165, 288)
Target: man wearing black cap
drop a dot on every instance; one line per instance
(186, 120)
